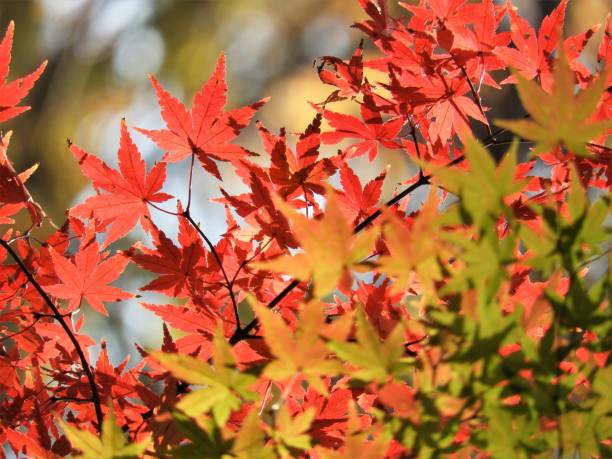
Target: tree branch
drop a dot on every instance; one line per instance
(57, 315)
(477, 98)
(228, 284)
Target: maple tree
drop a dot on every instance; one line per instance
(325, 323)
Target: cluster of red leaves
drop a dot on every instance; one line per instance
(433, 66)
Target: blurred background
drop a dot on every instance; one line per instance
(100, 53)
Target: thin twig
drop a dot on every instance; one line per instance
(246, 261)
(213, 250)
(477, 99)
(23, 330)
(244, 333)
(596, 145)
(416, 145)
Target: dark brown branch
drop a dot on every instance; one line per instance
(599, 147)
(243, 334)
(423, 180)
(95, 396)
(228, 284)
(70, 399)
(476, 97)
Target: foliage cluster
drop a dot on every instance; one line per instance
(324, 323)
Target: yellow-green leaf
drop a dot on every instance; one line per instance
(250, 442)
(300, 352)
(111, 444)
(376, 359)
(330, 249)
(559, 118)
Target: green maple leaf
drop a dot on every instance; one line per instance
(297, 352)
(377, 359)
(110, 445)
(559, 118)
(250, 441)
(224, 389)
(291, 431)
(330, 250)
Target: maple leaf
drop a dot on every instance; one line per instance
(259, 210)
(360, 442)
(356, 201)
(481, 39)
(329, 262)
(111, 444)
(413, 248)
(604, 52)
(12, 93)
(562, 117)
(347, 77)
(372, 130)
(207, 130)
(126, 193)
(225, 389)
(197, 325)
(297, 352)
(442, 99)
(485, 187)
(291, 431)
(13, 193)
(381, 24)
(452, 108)
(299, 171)
(177, 266)
(533, 55)
(450, 17)
(377, 360)
(329, 425)
(87, 278)
(250, 441)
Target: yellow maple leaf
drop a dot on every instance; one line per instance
(414, 249)
(297, 352)
(330, 250)
(562, 117)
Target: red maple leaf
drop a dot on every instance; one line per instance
(196, 323)
(356, 201)
(207, 130)
(12, 93)
(126, 192)
(178, 267)
(371, 131)
(329, 425)
(13, 193)
(87, 277)
(300, 172)
(347, 77)
(259, 210)
(533, 55)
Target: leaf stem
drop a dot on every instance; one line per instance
(190, 180)
(156, 207)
